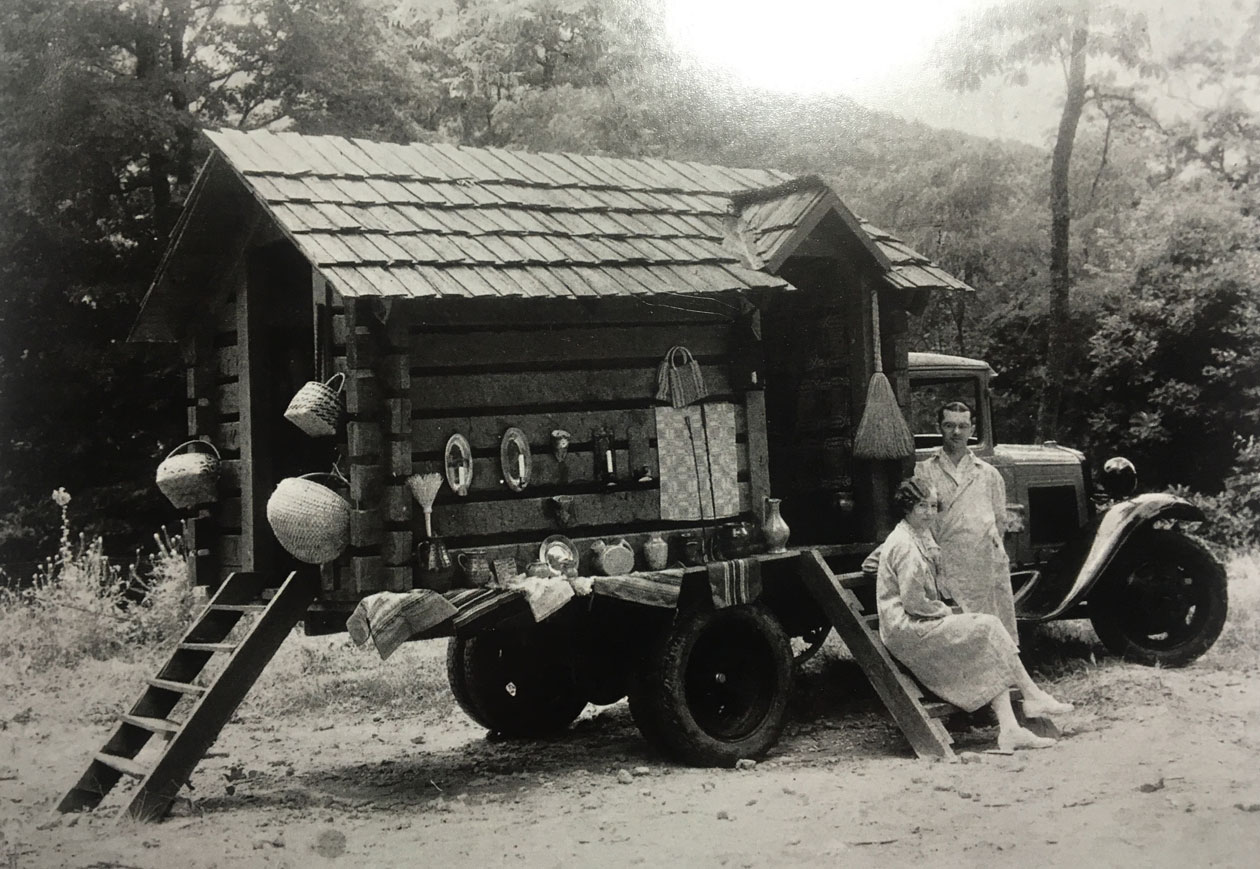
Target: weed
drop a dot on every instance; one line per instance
(82, 605)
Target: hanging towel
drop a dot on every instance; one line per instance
(734, 582)
(699, 465)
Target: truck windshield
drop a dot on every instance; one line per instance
(926, 397)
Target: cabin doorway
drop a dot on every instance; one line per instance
(282, 357)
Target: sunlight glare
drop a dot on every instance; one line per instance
(812, 46)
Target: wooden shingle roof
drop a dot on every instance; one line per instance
(445, 221)
(420, 221)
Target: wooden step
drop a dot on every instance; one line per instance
(251, 608)
(124, 765)
(872, 621)
(181, 687)
(208, 647)
(939, 708)
(155, 725)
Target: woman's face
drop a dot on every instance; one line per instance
(921, 514)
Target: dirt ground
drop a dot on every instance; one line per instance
(1156, 768)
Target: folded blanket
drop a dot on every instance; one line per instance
(388, 619)
(544, 594)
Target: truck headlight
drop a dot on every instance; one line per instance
(1119, 477)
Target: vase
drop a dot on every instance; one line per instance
(774, 529)
(656, 551)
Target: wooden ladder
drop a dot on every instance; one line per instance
(213, 704)
(918, 716)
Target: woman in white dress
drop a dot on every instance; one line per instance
(967, 659)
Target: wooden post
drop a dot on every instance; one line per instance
(365, 446)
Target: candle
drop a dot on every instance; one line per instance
(608, 457)
(520, 466)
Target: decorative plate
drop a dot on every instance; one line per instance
(559, 552)
(459, 464)
(515, 459)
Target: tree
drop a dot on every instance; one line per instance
(1010, 40)
(1176, 359)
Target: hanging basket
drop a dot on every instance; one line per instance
(309, 518)
(679, 380)
(190, 478)
(317, 407)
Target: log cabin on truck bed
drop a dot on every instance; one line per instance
(509, 320)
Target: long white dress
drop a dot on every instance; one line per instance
(974, 567)
(966, 659)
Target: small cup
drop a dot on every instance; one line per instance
(476, 567)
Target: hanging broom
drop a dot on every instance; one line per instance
(425, 488)
(882, 432)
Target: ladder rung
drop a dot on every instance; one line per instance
(181, 687)
(208, 647)
(156, 725)
(939, 708)
(237, 607)
(871, 620)
(122, 764)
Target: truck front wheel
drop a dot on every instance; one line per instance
(1165, 604)
(516, 685)
(714, 687)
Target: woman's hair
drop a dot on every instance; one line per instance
(909, 493)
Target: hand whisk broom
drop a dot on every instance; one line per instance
(425, 488)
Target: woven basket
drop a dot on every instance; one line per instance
(317, 407)
(309, 518)
(188, 479)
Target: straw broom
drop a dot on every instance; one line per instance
(425, 488)
(882, 432)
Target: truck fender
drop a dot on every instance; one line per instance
(1079, 566)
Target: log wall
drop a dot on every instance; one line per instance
(417, 374)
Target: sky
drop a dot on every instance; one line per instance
(879, 53)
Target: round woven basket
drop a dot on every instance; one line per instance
(309, 518)
(317, 407)
(190, 478)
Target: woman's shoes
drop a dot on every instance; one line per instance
(1045, 707)
(1020, 737)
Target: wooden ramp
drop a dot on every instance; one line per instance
(918, 716)
(213, 702)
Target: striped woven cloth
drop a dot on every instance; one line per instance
(734, 582)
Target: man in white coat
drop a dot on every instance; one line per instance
(971, 521)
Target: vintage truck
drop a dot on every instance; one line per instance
(507, 320)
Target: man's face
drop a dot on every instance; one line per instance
(956, 429)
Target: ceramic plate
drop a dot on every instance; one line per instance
(558, 550)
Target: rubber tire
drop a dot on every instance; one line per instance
(515, 685)
(1116, 609)
(676, 708)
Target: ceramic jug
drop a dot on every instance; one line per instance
(656, 551)
(613, 559)
(437, 571)
(773, 528)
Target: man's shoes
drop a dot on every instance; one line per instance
(1019, 737)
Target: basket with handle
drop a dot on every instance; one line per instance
(190, 478)
(317, 407)
(309, 517)
(679, 379)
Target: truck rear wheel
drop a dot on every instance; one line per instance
(714, 687)
(517, 685)
(1166, 603)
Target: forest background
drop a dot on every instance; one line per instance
(1159, 340)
